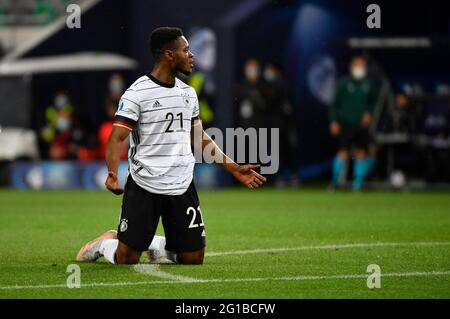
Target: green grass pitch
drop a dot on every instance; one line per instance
(262, 243)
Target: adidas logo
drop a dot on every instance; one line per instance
(157, 104)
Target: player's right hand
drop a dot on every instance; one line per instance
(112, 183)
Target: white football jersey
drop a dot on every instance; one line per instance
(159, 117)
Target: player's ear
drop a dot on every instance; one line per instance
(168, 54)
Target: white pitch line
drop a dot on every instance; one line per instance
(231, 280)
(174, 279)
(338, 246)
(155, 270)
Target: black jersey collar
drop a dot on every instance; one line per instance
(166, 85)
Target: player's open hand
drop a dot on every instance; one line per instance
(247, 176)
(112, 183)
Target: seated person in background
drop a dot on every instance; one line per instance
(57, 132)
(62, 146)
(402, 116)
(350, 117)
(437, 129)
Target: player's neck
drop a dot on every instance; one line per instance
(163, 74)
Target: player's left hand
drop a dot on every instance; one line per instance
(247, 176)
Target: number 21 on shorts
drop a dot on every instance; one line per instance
(194, 216)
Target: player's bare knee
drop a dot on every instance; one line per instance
(190, 261)
(127, 259)
(126, 255)
(191, 258)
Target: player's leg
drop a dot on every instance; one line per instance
(184, 227)
(157, 252)
(107, 244)
(191, 257)
(91, 250)
(112, 249)
(340, 165)
(363, 164)
(126, 255)
(117, 252)
(138, 222)
(340, 162)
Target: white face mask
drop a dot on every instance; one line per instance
(61, 101)
(269, 75)
(63, 124)
(359, 73)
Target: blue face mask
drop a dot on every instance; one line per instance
(116, 86)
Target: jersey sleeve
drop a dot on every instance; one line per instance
(196, 110)
(128, 111)
(335, 104)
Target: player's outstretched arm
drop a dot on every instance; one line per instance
(113, 150)
(243, 173)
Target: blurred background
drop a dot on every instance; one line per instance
(259, 63)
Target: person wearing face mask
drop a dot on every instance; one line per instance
(251, 101)
(116, 86)
(62, 145)
(279, 115)
(350, 116)
(58, 120)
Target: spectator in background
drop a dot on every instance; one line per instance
(205, 97)
(437, 130)
(279, 115)
(44, 11)
(58, 130)
(252, 106)
(106, 128)
(116, 86)
(96, 149)
(402, 117)
(350, 117)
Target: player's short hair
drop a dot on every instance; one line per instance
(161, 37)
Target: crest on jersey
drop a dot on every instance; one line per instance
(123, 225)
(186, 101)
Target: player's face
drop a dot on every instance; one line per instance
(183, 58)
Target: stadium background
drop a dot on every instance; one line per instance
(309, 40)
(292, 238)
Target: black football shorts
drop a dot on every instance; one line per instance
(181, 216)
(354, 137)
